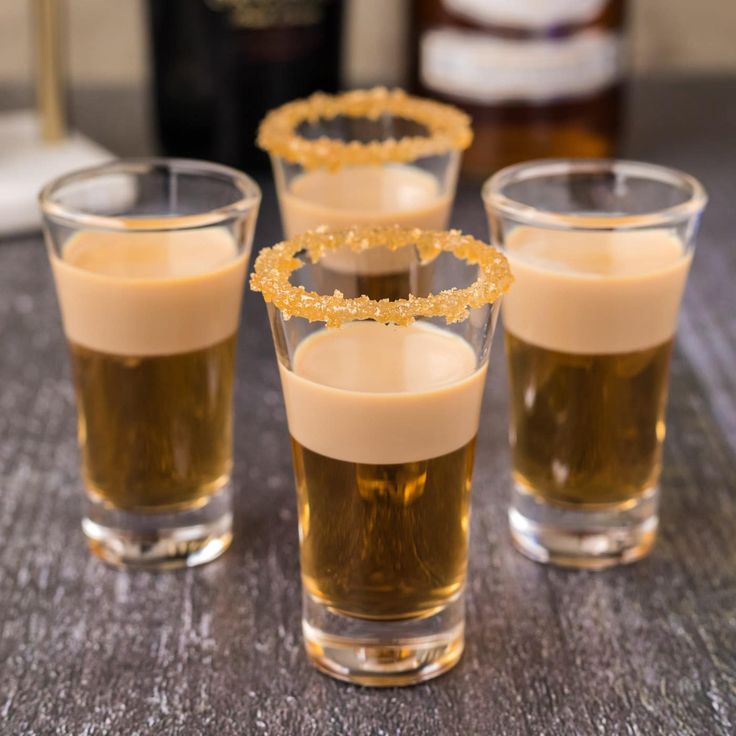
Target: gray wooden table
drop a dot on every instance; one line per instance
(646, 649)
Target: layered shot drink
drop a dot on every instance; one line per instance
(383, 515)
(151, 307)
(589, 330)
(383, 402)
(367, 157)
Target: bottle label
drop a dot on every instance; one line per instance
(485, 69)
(528, 14)
(268, 13)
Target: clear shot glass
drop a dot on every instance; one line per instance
(383, 402)
(149, 259)
(600, 251)
(366, 157)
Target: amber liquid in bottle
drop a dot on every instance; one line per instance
(536, 85)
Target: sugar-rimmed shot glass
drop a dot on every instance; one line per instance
(600, 251)
(383, 401)
(366, 157)
(149, 259)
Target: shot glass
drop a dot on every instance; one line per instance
(366, 157)
(149, 259)
(600, 251)
(383, 402)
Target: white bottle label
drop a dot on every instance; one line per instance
(484, 69)
(530, 14)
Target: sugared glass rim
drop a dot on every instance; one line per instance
(274, 266)
(250, 196)
(449, 129)
(495, 199)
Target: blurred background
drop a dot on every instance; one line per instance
(109, 44)
(194, 77)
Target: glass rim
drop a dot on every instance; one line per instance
(274, 266)
(495, 199)
(448, 129)
(64, 214)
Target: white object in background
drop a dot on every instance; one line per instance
(537, 14)
(26, 164)
(480, 68)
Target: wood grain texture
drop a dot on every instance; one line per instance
(644, 650)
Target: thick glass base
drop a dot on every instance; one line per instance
(160, 541)
(384, 653)
(593, 538)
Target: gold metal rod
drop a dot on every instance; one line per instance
(49, 69)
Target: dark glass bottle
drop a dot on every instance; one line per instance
(220, 65)
(540, 78)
